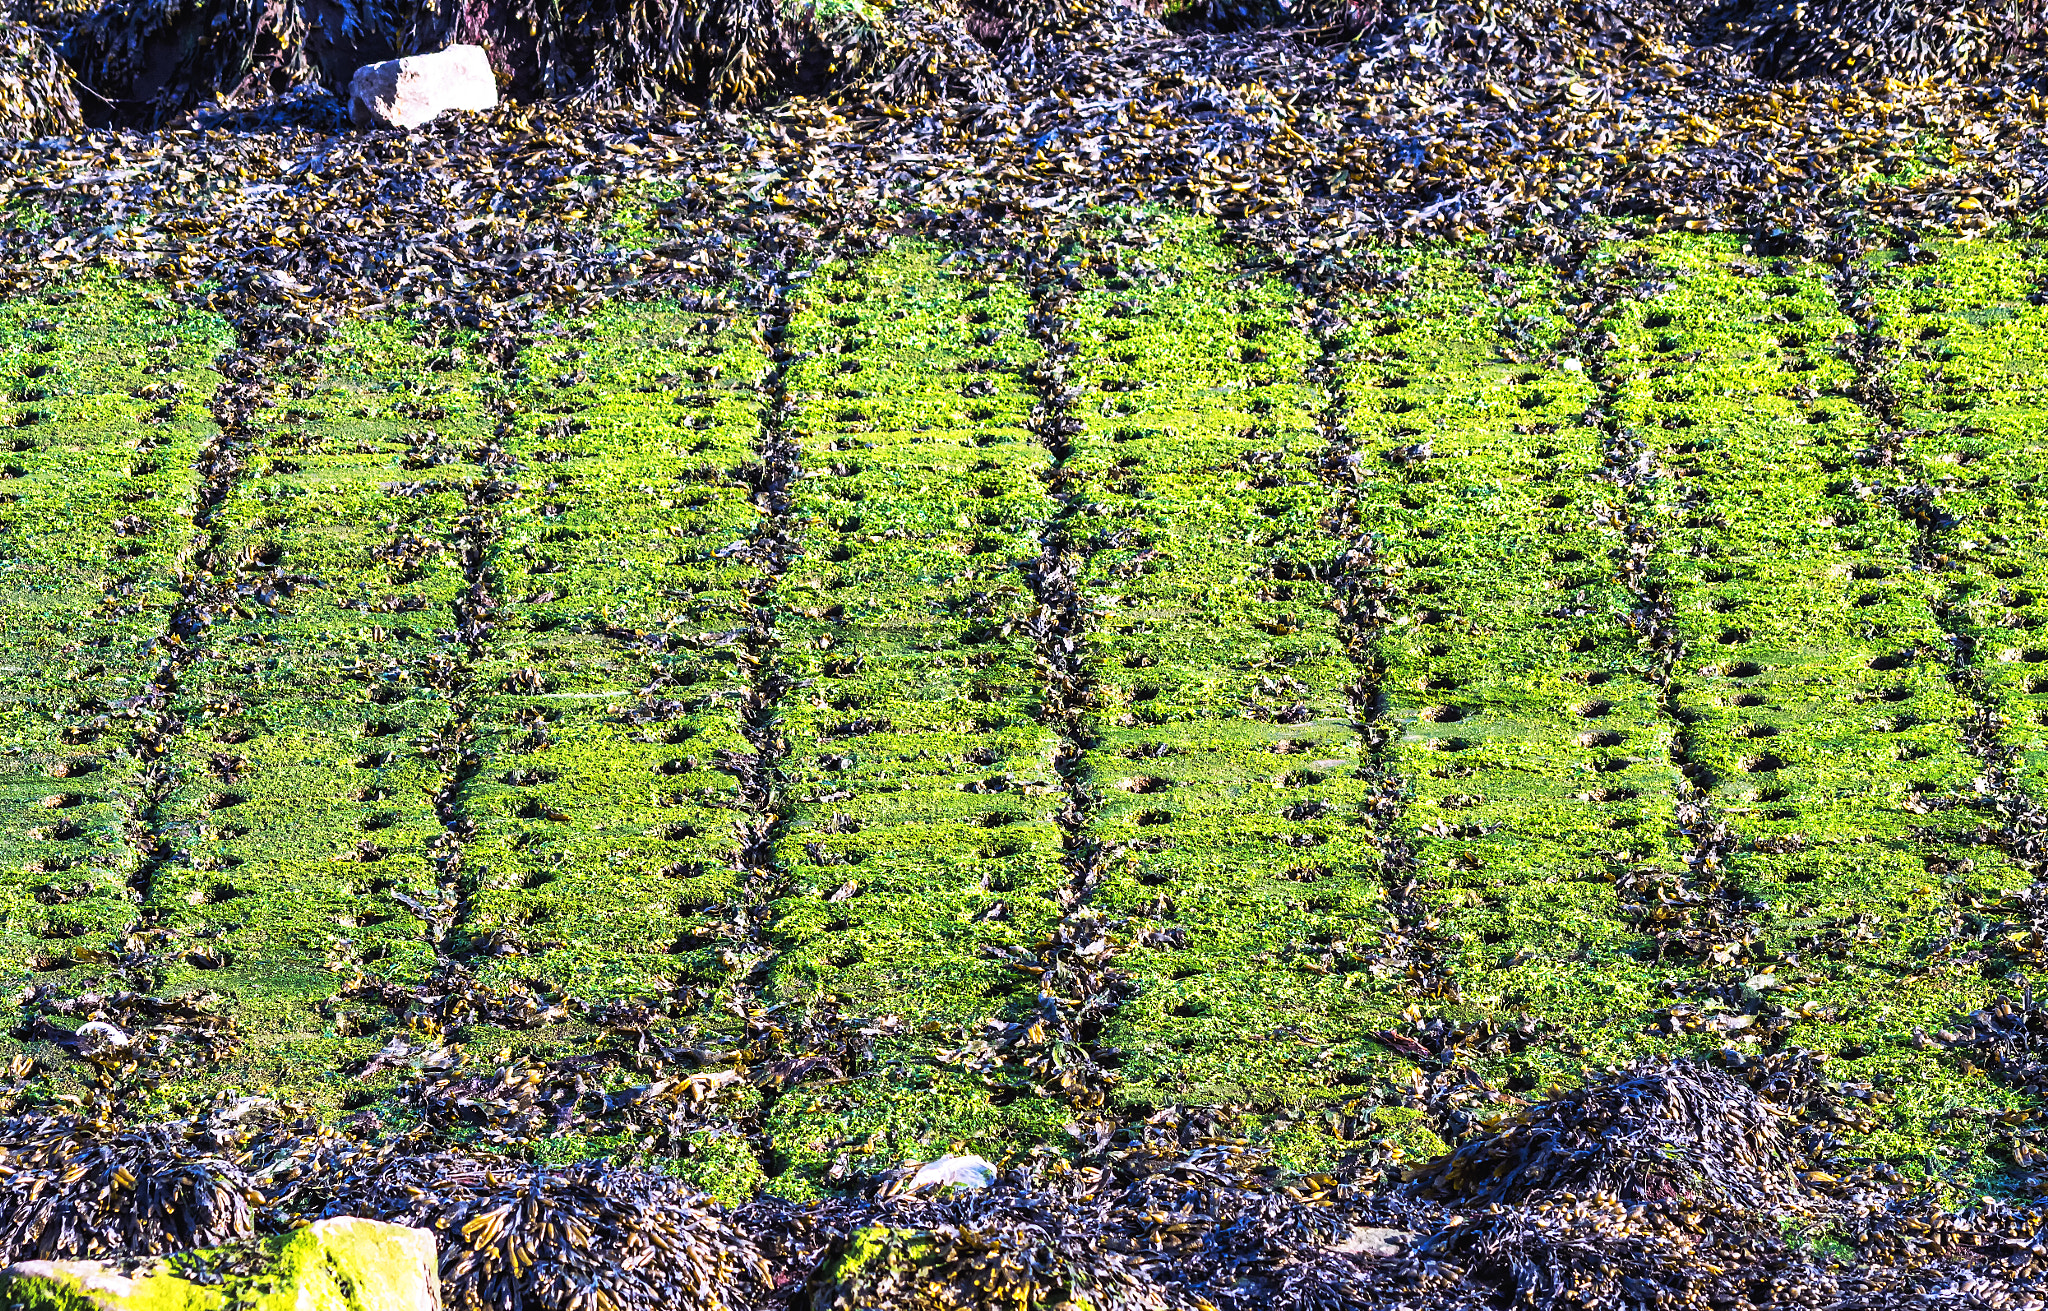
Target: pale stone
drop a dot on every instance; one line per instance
(344, 1264)
(964, 1172)
(1379, 1244)
(98, 1036)
(420, 88)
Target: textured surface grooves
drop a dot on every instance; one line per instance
(1049, 1039)
(206, 588)
(459, 673)
(773, 547)
(604, 818)
(1198, 706)
(453, 747)
(1699, 910)
(922, 847)
(1820, 727)
(1532, 757)
(1224, 756)
(1365, 602)
(311, 806)
(1946, 373)
(104, 421)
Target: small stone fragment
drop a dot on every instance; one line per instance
(417, 89)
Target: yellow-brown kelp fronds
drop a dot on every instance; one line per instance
(38, 96)
(1177, 1216)
(1869, 40)
(146, 61)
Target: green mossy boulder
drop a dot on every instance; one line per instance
(870, 1262)
(344, 1264)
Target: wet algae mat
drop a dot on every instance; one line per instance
(947, 706)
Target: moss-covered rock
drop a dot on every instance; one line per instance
(344, 1264)
(866, 1262)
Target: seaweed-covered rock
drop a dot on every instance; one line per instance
(342, 1264)
(623, 1238)
(623, 52)
(146, 61)
(951, 1267)
(76, 1189)
(1660, 1130)
(1597, 1253)
(1782, 39)
(1515, 39)
(1911, 39)
(1163, 1227)
(38, 97)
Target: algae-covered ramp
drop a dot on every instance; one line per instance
(919, 701)
(104, 416)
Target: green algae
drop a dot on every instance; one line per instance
(1246, 897)
(102, 406)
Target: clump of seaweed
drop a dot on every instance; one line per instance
(1158, 1225)
(1589, 1213)
(38, 95)
(1521, 38)
(618, 53)
(509, 1234)
(533, 1236)
(2009, 1038)
(1673, 1184)
(1870, 39)
(1664, 1129)
(1597, 1252)
(1859, 40)
(78, 1188)
(146, 61)
(925, 52)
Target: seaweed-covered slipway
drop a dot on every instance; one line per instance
(1394, 654)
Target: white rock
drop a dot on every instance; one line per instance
(242, 1108)
(96, 1036)
(1377, 1243)
(953, 1172)
(420, 88)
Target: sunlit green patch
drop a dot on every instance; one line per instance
(603, 819)
(905, 1109)
(919, 768)
(918, 842)
(103, 393)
